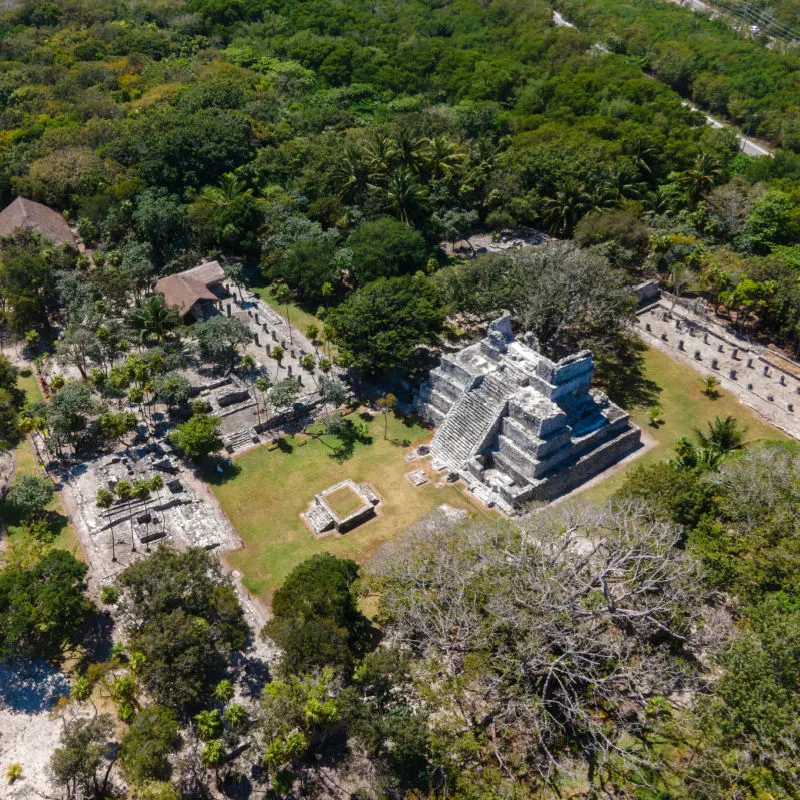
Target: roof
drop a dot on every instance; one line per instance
(23, 213)
(184, 289)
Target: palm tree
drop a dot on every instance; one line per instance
(352, 173)
(710, 386)
(262, 385)
(565, 206)
(153, 319)
(283, 296)
(277, 354)
(403, 193)
(229, 189)
(442, 156)
(378, 156)
(104, 500)
(308, 364)
(408, 150)
(642, 153)
(248, 364)
(724, 436)
(141, 491)
(385, 403)
(124, 491)
(699, 179)
(156, 485)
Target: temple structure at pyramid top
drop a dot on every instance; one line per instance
(518, 427)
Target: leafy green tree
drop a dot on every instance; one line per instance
(173, 389)
(198, 437)
(146, 745)
(316, 621)
(42, 604)
(182, 616)
(30, 495)
(81, 764)
(220, 338)
(382, 325)
(284, 394)
(386, 248)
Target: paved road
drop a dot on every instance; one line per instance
(747, 145)
(560, 21)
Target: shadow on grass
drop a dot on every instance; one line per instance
(624, 377)
(46, 528)
(284, 445)
(214, 477)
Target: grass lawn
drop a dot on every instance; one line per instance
(685, 407)
(65, 537)
(272, 487)
(344, 501)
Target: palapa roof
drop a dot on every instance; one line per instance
(184, 289)
(23, 213)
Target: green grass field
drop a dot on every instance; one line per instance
(64, 534)
(344, 501)
(272, 487)
(680, 396)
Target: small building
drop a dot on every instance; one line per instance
(196, 292)
(23, 214)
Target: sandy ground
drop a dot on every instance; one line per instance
(28, 732)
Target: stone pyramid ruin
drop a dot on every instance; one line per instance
(518, 427)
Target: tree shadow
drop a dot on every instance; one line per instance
(624, 376)
(284, 445)
(348, 434)
(213, 476)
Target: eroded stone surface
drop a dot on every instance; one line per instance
(518, 427)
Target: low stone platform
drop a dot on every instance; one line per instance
(322, 517)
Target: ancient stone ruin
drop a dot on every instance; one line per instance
(518, 427)
(357, 503)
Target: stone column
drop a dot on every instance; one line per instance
(228, 309)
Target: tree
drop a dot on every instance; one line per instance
(124, 490)
(81, 764)
(711, 386)
(386, 403)
(316, 621)
(309, 364)
(278, 353)
(550, 638)
(198, 437)
(219, 339)
(152, 319)
(173, 389)
(284, 394)
(118, 426)
(104, 500)
(386, 248)
(146, 744)
(181, 614)
(381, 326)
(42, 604)
(283, 296)
(67, 413)
(30, 495)
(724, 436)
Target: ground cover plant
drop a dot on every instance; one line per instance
(344, 501)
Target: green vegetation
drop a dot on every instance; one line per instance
(344, 501)
(684, 407)
(272, 487)
(316, 621)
